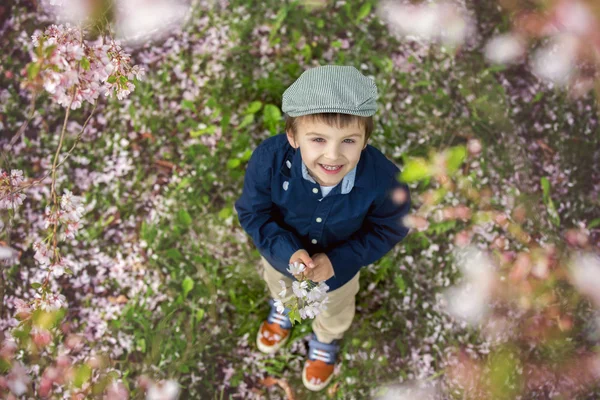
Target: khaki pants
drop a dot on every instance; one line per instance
(330, 324)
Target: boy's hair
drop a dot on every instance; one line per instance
(338, 120)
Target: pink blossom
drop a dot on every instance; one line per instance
(42, 254)
(78, 70)
(23, 309)
(8, 184)
(41, 337)
(116, 391)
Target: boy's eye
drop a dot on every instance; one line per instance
(345, 141)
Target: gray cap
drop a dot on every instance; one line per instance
(331, 89)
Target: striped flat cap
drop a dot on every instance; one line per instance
(331, 89)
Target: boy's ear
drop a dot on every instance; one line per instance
(291, 140)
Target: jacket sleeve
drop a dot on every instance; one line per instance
(380, 232)
(253, 208)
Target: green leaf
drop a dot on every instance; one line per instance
(272, 116)
(82, 374)
(184, 368)
(363, 12)
(69, 271)
(248, 119)
(400, 283)
(545, 188)
(187, 285)
(307, 53)
(225, 213)
(85, 63)
(142, 344)
(33, 69)
(246, 156)
(253, 107)
(233, 163)
(174, 254)
(594, 223)
(123, 79)
(416, 169)
(209, 130)
(111, 79)
(456, 156)
(271, 113)
(553, 213)
(200, 314)
(188, 105)
(184, 218)
(36, 285)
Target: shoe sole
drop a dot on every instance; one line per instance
(270, 349)
(312, 386)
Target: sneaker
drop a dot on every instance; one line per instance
(275, 331)
(318, 368)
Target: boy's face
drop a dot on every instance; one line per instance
(321, 144)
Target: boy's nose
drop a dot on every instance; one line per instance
(332, 154)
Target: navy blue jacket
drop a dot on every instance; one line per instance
(283, 210)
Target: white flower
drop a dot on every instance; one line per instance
(316, 293)
(284, 289)
(299, 289)
(279, 305)
(322, 305)
(296, 268)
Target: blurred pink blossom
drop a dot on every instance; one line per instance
(556, 61)
(505, 49)
(168, 390)
(443, 21)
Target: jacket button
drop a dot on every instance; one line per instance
(314, 241)
(319, 219)
(315, 190)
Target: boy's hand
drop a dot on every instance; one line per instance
(323, 269)
(303, 257)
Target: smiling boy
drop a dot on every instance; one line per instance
(320, 194)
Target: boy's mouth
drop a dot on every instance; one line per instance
(331, 169)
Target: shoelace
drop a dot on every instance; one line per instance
(280, 318)
(321, 355)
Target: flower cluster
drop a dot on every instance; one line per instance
(69, 214)
(9, 198)
(73, 69)
(311, 299)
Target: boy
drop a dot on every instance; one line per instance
(319, 194)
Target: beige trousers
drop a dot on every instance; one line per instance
(329, 324)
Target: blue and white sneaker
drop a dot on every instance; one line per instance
(318, 368)
(275, 331)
